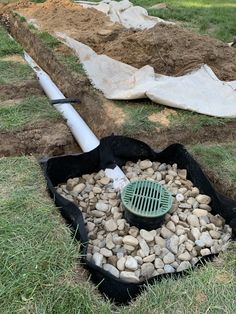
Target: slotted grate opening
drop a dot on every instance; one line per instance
(146, 198)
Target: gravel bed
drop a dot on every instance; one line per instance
(189, 231)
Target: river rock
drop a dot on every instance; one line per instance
(105, 180)
(203, 199)
(147, 236)
(97, 190)
(114, 271)
(165, 233)
(129, 276)
(195, 233)
(169, 258)
(200, 212)
(183, 266)
(130, 240)
(172, 244)
(131, 263)
(171, 226)
(193, 220)
(144, 247)
(179, 197)
(147, 270)
(160, 241)
(204, 252)
(102, 206)
(144, 164)
(175, 219)
(105, 252)
(169, 269)
(159, 263)
(121, 263)
(184, 256)
(149, 259)
(97, 258)
(110, 225)
(78, 188)
(207, 239)
(134, 231)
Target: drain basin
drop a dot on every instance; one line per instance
(146, 203)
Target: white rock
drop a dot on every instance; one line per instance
(79, 188)
(144, 247)
(189, 246)
(183, 265)
(97, 213)
(159, 263)
(149, 259)
(172, 244)
(182, 173)
(147, 270)
(144, 164)
(102, 206)
(90, 226)
(157, 249)
(171, 226)
(214, 234)
(110, 225)
(200, 212)
(179, 197)
(146, 235)
(131, 263)
(193, 220)
(134, 231)
(130, 240)
(97, 258)
(160, 241)
(97, 190)
(121, 263)
(169, 258)
(196, 233)
(203, 199)
(105, 252)
(182, 238)
(111, 269)
(204, 252)
(105, 180)
(207, 239)
(129, 276)
(184, 256)
(175, 219)
(169, 269)
(165, 233)
(200, 243)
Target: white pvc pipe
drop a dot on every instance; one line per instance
(82, 133)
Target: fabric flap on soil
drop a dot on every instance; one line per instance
(199, 91)
(121, 149)
(125, 13)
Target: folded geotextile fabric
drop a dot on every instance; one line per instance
(125, 13)
(198, 91)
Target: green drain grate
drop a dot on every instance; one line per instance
(146, 198)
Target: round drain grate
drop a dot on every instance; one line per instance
(144, 202)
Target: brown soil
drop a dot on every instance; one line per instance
(10, 91)
(170, 49)
(43, 140)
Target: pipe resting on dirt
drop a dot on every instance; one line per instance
(82, 133)
(80, 130)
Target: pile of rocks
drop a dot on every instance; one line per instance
(189, 232)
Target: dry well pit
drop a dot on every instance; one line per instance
(189, 231)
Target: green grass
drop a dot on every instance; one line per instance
(213, 17)
(29, 111)
(71, 62)
(37, 254)
(8, 46)
(218, 157)
(48, 40)
(13, 72)
(136, 116)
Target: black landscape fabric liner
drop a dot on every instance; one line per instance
(118, 150)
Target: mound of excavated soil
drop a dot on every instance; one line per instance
(170, 49)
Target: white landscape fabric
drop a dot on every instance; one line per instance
(199, 91)
(125, 13)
